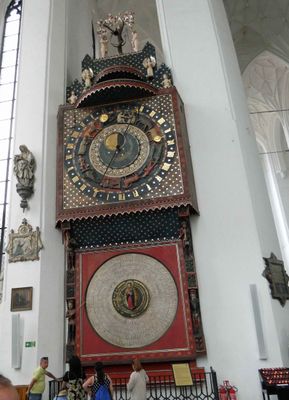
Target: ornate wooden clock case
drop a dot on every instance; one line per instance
(125, 191)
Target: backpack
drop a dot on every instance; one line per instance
(103, 393)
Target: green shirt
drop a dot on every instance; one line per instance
(39, 385)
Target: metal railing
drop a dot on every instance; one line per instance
(204, 387)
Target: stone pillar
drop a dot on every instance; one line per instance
(235, 229)
(41, 89)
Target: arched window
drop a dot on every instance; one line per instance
(8, 85)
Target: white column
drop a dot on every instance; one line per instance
(41, 89)
(235, 228)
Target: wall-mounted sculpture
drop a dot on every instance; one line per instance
(25, 244)
(24, 166)
(277, 277)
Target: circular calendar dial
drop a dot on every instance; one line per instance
(120, 153)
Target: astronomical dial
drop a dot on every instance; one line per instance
(120, 153)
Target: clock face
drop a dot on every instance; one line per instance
(120, 153)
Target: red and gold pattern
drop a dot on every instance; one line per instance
(176, 343)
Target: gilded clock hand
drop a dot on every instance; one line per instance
(110, 161)
(119, 143)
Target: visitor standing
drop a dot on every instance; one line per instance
(37, 385)
(99, 385)
(137, 381)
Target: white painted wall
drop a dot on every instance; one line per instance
(40, 91)
(235, 228)
(79, 33)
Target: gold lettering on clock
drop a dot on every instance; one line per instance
(166, 166)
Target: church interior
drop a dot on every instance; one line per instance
(144, 193)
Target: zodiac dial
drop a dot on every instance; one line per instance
(120, 153)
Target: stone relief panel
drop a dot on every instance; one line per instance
(25, 244)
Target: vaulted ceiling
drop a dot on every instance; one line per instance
(259, 25)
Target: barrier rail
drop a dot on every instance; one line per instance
(204, 387)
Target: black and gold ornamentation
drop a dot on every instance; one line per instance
(120, 154)
(125, 192)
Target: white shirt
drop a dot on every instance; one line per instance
(137, 385)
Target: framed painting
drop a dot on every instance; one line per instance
(21, 299)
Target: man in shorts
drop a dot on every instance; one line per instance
(37, 384)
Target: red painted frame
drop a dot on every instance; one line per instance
(176, 344)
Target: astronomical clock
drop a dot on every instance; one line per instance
(125, 193)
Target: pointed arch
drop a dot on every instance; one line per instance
(266, 81)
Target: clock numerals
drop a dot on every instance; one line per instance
(121, 153)
(121, 196)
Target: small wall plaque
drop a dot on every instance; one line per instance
(25, 244)
(277, 277)
(182, 374)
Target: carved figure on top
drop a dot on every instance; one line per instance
(166, 82)
(72, 98)
(115, 25)
(149, 63)
(87, 75)
(24, 166)
(134, 40)
(103, 41)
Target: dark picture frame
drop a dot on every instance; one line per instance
(21, 299)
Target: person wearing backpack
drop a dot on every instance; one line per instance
(99, 385)
(73, 380)
(137, 381)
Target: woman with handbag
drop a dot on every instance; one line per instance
(99, 385)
